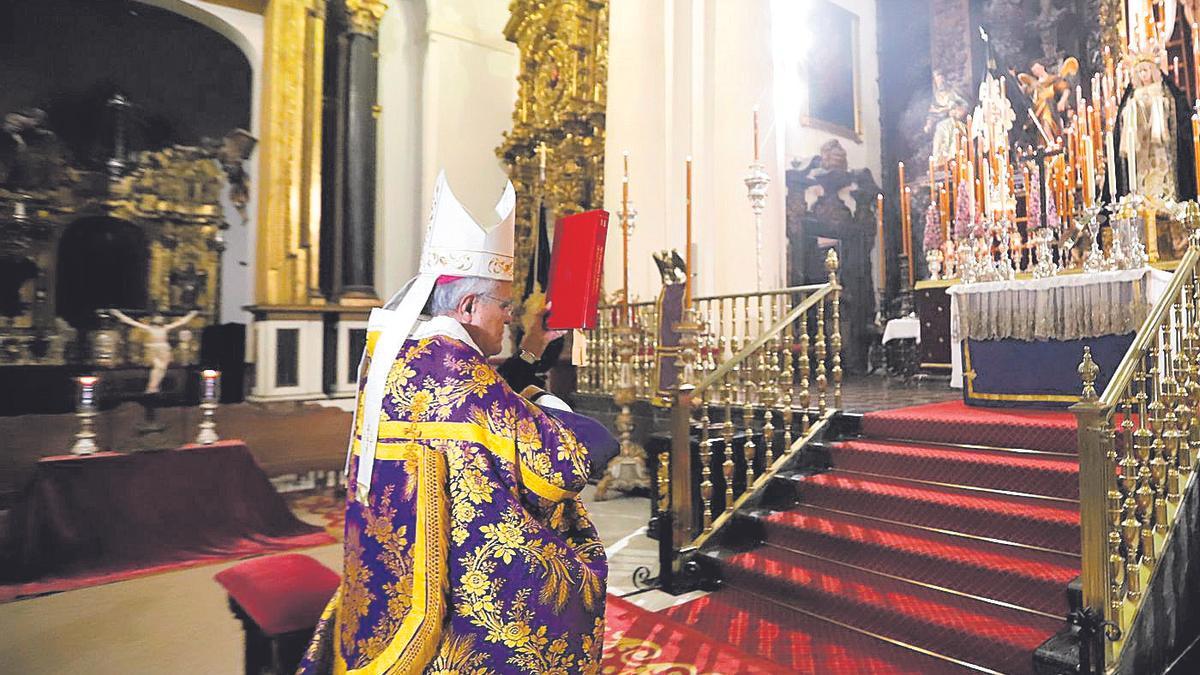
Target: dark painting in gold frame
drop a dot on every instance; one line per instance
(831, 70)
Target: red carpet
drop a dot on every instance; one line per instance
(247, 549)
(638, 641)
(917, 552)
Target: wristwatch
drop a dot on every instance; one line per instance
(527, 356)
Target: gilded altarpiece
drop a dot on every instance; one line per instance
(163, 220)
(560, 106)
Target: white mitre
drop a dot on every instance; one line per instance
(455, 245)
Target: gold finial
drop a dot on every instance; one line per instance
(1191, 220)
(831, 261)
(365, 15)
(1088, 371)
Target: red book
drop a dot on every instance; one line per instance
(576, 263)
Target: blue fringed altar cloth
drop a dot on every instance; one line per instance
(1018, 343)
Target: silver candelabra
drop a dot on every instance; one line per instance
(756, 190)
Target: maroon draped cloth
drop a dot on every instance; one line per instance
(108, 516)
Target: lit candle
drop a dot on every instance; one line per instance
(944, 204)
(1087, 171)
(755, 133)
(210, 380)
(625, 228)
(1175, 67)
(908, 237)
(1196, 150)
(687, 289)
(932, 181)
(87, 392)
(882, 242)
(1131, 147)
(1195, 50)
(1111, 156)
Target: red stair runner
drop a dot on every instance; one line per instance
(953, 422)
(1030, 474)
(918, 543)
(1024, 577)
(800, 643)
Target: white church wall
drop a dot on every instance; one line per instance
(684, 77)
(244, 29)
(447, 87)
(804, 141)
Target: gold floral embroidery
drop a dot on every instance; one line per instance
(357, 596)
(479, 600)
(457, 656)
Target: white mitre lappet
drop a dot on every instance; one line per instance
(455, 245)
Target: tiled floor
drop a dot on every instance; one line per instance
(864, 393)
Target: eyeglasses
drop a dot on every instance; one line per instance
(504, 305)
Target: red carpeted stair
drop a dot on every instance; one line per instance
(942, 540)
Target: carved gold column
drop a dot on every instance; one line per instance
(290, 153)
(561, 99)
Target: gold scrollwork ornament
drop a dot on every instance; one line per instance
(365, 15)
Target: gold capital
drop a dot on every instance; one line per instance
(365, 15)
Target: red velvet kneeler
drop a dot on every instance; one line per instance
(279, 600)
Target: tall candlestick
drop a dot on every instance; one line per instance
(687, 289)
(85, 410)
(625, 230)
(755, 133)
(210, 385)
(882, 243)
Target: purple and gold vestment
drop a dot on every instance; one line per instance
(473, 553)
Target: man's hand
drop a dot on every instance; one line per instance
(536, 336)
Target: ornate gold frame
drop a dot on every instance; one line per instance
(561, 100)
(855, 133)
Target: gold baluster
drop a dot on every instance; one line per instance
(1191, 448)
(1145, 489)
(1167, 439)
(664, 484)
(722, 334)
(749, 448)
(706, 486)
(787, 385)
(805, 394)
(1184, 414)
(727, 435)
(768, 396)
(1115, 497)
(1128, 482)
(835, 339)
(820, 353)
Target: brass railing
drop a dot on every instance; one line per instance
(775, 391)
(728, 323)
(601, 369)
(1138, 444)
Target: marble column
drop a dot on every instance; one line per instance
(357, 112)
